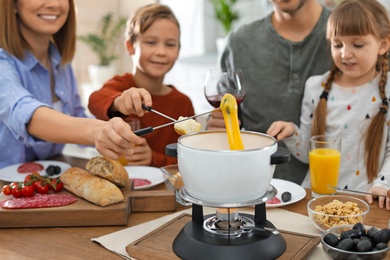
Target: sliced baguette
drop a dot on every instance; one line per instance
(187, 127)
(108, 169)
(90, 187)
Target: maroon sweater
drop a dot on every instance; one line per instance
(174, 104)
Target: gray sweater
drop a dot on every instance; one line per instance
(275, 71)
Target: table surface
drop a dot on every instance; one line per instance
(75, 242)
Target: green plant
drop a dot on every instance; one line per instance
(104, 42)
(225, 13)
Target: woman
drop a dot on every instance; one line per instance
(40, 108)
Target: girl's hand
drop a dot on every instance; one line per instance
(130, 102)
(115, 138)
(281, 130)
(382, 201)
(142, 154)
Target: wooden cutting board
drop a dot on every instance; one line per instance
(158, 243)
(85, 213)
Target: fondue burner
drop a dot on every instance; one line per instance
(229, 234)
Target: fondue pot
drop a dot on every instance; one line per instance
(213, 172)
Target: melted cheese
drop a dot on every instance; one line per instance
(229, 110)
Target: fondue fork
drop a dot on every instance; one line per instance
(355, 191)
(150, 129)
(262, 229)
(150, 109)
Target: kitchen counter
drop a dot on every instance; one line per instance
(75, 242)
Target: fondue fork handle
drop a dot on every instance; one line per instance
(331, 187)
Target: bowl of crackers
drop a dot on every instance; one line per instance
(173, 181)
(335, 210)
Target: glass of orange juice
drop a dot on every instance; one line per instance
(324, 163)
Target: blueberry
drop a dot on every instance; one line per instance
(286, 196)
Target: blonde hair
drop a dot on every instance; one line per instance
(144, 17)
(12, 41)
(359, 17)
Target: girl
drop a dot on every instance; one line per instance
(153, 42)
(39, 102)
(351, 100)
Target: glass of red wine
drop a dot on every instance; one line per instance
(222, 81)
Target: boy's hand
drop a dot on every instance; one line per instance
(131, 100)
(281, 130)
(142, 155)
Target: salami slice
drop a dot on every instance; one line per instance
(39, 201)
(274, 200)
(30, 167)
(141, 182)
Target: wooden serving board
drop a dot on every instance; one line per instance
(80, 213)
(158, 243)
(85, 213)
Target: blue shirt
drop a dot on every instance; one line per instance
(24, 87)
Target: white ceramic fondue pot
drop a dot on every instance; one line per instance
(213, 172)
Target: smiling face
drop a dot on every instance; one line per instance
(356, 57)
(41, 18)
(155, 51)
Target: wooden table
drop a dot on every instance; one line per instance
(75, 242)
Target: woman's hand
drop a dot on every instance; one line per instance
(281, 130)
(382, 201)
(130, 102)
(115, 138)
(142, 154)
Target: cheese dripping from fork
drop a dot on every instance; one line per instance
(230, 115)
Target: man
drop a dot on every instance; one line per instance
(277, 54)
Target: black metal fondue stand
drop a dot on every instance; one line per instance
(232, 235)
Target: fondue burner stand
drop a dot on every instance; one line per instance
(229, 234)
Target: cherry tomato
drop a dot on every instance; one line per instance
(27, 191)
(17, 192)
(41, 187)
(7, 190)
(57, 185)
(13, 184)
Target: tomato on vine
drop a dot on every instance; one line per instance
(7, 190)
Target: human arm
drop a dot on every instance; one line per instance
(382, 201)
(381, 184)
(281, 130)
(119, 96)
(112, 139)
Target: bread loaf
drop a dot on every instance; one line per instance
(90, 187)
(108, 169)
(187, 127)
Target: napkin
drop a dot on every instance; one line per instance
(280, 218)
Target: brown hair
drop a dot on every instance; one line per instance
(144, 17)
(359, 17)
(11, 40)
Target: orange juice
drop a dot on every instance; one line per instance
(324, 166)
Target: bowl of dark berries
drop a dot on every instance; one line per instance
(358, 242)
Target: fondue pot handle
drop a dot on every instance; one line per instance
(282, 155)
(171, 150)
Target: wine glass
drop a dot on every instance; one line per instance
(219, 82)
